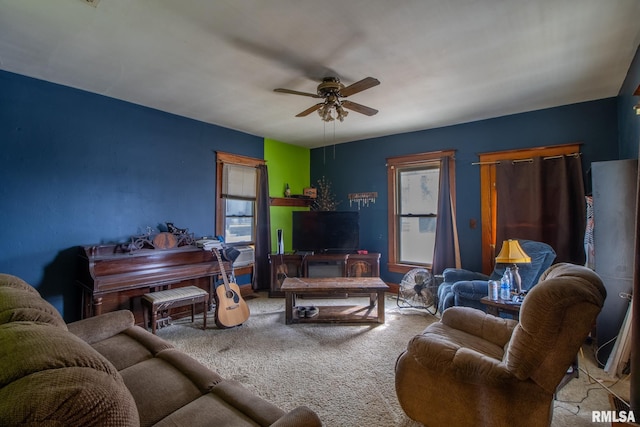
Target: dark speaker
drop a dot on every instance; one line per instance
(280, 242)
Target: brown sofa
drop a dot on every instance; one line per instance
(105, 371)
(474, 369)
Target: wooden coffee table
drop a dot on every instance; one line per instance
(336, 287)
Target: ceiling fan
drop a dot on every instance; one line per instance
(332, 91)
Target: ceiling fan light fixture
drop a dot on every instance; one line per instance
(332, 91)
(341, 113)
(325, 113)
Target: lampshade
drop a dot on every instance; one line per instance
(512, 253)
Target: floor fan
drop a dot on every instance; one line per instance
(417, 290)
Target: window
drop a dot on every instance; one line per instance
(417, 213)
(236, 198)
(413, 185)
(239, 220)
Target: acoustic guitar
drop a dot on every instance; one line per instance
(231, 309)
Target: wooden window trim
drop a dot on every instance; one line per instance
(405, 161)
(488, 196)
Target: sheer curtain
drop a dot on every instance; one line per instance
(446, 252)
(263, 240)
(543, 199)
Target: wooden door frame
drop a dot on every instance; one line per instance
(488, 195)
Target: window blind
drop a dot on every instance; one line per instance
(239, 181)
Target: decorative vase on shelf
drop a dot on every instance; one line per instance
(287, 191)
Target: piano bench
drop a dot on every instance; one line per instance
(156, 302)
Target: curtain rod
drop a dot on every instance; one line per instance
(418, 162)
(559, 156)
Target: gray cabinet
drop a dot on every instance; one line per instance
(614, 206)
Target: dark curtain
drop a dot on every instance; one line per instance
(261, 274)
(446, 253)
(543, 200)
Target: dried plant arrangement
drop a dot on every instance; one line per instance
(325, 201)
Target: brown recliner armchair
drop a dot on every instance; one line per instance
(474, 369)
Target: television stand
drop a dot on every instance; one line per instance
(304, 253)
(337, 252)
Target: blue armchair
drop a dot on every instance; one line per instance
(465, 288)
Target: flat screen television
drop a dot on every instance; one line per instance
(326, 231)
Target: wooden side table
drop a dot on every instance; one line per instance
(496, 307)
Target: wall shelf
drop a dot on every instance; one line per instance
(290, 201)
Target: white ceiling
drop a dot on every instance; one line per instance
(440, 62)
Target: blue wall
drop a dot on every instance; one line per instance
(78, 169)
(360, 166)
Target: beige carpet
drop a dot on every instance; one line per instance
(343, 372)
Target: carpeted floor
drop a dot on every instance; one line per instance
(343, 372)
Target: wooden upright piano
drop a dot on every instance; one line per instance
(112, 280)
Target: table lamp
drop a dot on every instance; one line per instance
(512, 253)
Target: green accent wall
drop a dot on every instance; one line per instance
(286, 164)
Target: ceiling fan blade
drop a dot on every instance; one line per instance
(310, 110)
(363, 84)
(288, 58)
(295, 92)
(359, 108)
